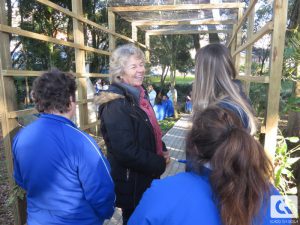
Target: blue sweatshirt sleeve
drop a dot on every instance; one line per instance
(97, 184)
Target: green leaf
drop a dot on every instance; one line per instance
(293, 139)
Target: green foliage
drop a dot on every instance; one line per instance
(167, 124)
(258, 97)
(284, 159)
(16, 193)
(292, 55)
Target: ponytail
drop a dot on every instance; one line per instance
(241, 169)
(240, 177)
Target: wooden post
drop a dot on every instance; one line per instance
(233, 43)
(112, 27)
(80, 62)
(8, 103)
(238, 42)
(134, 32)
(147, 43)
(249, 51)
(276, 61)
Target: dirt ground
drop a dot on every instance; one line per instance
(6, 216)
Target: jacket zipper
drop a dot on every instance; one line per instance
(127, 174)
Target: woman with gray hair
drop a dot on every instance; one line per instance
(215, 84)
(130, 130)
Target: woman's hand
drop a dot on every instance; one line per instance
(166, 155)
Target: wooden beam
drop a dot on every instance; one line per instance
(8, 101)
(169, 31)
(84, 20)
(26, 112)
(147, 42)
(280, 8)
(134, 32)
(176, 7)
(41, 37)
(263, 31)
(242, 20)
(28, 73)
(238, 43)
(21, 113)
(254, 79)
(182, 22)
(90, 125)
(80, 61)
(248, 62)
(112, 26)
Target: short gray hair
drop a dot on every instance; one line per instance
(119, 58)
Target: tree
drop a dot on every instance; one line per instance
(171, 52)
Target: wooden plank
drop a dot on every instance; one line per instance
(134, 32)
(264, 30)
(176, 7)
(248, 63)
(26, 112)
(90, 125)
(112, 26)
(84, 20)
(182, 22)
(21, 113)
(233, 45)
(41, 37)
(28, 73)
(8, 102)
(243, 19)
(254, 79)
(238, 42)
(80, 61)
(278, 37)
(169, 31)
(147, 42)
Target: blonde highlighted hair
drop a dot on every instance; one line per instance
(214, 81)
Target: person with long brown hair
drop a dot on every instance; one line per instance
(215, 84)
(228, 180)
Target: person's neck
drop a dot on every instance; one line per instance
(55, 112)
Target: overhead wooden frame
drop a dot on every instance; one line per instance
(171, 31)
(86, 21)
(141, 23)
(176, 7)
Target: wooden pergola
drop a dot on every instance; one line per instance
(186, 24)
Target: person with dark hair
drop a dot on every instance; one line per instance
(228, 180)
(130, 129)
(168, 106)
(215, 84)
(61, 168)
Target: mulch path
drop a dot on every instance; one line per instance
(6, 215)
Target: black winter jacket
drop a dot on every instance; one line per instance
(130, 141)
